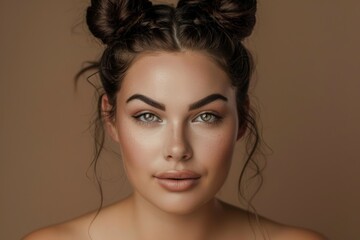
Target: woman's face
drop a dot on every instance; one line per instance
(176, 125)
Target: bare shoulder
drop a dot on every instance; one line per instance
(84, 227)
(279, 231)
(73, 229)
(57, 232)
(264, 228)
(295, 233)
(303, 234)
(51, 233)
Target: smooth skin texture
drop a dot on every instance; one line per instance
(175, 112)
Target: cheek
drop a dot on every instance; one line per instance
(216, 152)
(138, 151)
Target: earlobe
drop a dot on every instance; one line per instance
(109, 123)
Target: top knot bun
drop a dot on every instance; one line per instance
(109, 19)
(235, 17)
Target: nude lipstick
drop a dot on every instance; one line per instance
(177, 181)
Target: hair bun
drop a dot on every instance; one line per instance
(236, 17)
(109, 19)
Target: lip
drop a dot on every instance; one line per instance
(177, 181)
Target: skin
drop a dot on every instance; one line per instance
(179, 132)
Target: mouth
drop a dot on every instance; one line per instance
(177, 181)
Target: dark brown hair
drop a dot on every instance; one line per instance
(129, 28)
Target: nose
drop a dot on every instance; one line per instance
(177, 145)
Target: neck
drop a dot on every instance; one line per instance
(151, 222)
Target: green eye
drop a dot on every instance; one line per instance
(147, 118)
(207, 118)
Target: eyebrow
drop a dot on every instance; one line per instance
(207, 100)
(147, 100)
(198, 104)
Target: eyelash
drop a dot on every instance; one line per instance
(143, 118)
(140, 118)
(214, 118)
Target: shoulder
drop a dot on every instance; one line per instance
(83, 227)
(295, 233)
(264, 228)
(73, 229)
(279, 231)
(50, 233)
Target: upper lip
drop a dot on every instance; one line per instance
(178, 174)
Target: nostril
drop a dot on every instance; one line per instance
(186, 157)
(183, 155)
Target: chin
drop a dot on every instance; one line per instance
(182, 204)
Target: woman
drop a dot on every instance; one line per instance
(175, 100)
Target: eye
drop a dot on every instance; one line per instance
(207, 117)
(147, 118)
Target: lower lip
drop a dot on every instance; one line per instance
(177, 185)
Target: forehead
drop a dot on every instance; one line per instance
(164, 74)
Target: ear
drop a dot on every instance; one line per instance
(109, 122)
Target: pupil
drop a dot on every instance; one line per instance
(149, 117)
(206, 117)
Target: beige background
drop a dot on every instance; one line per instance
(308, 92)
